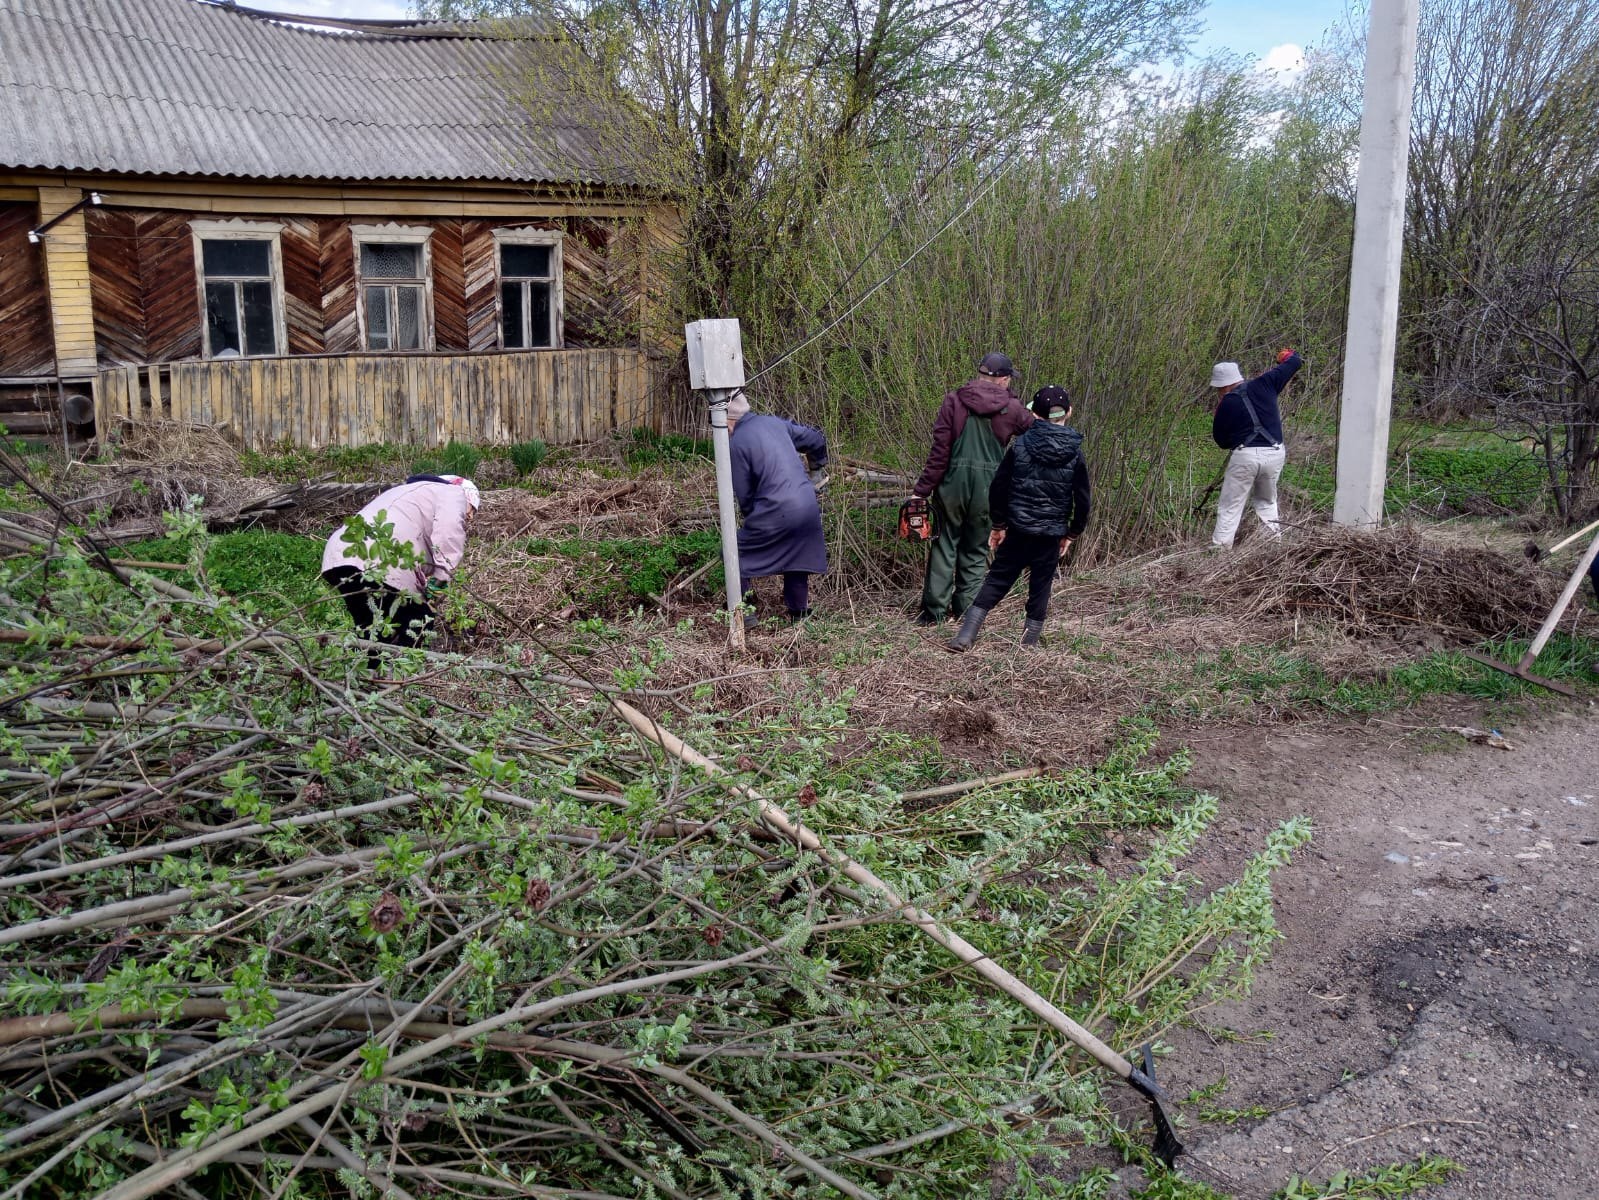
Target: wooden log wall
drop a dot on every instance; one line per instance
(147, 305)
(561, 397)
(26, 347)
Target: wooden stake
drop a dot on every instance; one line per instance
(1522, 670)
(779, 820)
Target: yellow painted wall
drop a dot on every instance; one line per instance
(66, 272)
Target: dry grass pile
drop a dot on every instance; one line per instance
(514, 590)
(1385, 582)
(583, 501)
(158, 467)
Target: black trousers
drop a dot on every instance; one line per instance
(796, 592)
(1038, 554)
(369, 602)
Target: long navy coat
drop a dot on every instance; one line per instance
(782, 528)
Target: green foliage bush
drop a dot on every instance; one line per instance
(646, 448)
(526, 456)
(616, 574)
(456, 458)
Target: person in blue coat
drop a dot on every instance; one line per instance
(782, 530)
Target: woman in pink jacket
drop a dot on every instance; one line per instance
(429, 513)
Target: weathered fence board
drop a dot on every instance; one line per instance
(560, 396)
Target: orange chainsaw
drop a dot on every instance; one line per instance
(915, 520)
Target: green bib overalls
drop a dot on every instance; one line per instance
(959, 554)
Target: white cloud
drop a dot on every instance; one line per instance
(1285, 61)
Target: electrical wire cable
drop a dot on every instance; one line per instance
(976, 197)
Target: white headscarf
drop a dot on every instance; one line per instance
(474, 498)
(738, 407)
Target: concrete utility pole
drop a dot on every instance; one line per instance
(1374, 274)
(716, 367)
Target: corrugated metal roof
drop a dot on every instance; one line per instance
(175, 87)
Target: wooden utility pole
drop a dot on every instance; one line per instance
(1374, 273)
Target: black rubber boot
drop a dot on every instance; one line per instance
(1031, 632)
(970, 624)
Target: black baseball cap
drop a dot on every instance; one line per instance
(995, 363)
(1050, 397)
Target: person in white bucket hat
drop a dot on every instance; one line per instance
(1249, 423)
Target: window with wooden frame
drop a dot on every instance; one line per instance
(394, 282)
(240, 269)
(529, 262)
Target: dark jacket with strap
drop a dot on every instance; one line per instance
(1233, 428)
(1041, 486)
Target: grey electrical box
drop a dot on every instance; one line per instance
(715, 354)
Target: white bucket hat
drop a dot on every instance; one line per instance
(1225, 374)
(474, 498)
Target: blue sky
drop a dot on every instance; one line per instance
(1268, 30)
(1256, 27)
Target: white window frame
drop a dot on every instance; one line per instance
(415, 235)
(243, 231)
(552, 238)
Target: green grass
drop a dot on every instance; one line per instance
(526, 456)
(351, 464)
(1270, 681)
(1469, 479)
(645, 448)
(617, 574)
(456, 458)
(1431, 466)
(279, 572)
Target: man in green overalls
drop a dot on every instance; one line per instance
(974, 425)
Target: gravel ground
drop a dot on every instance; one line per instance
(1435, 991)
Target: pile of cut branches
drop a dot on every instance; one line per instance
(1386, 581)
(275, 928)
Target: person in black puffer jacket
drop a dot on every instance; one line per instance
(1038, 503)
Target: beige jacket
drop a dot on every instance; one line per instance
(431, 516)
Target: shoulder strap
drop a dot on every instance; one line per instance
(1260, 431)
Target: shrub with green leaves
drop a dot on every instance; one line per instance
(471, 930)
(455, 458)
(526, 456)
(614, 575)
(646, 448)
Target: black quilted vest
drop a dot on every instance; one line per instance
(1044, 469)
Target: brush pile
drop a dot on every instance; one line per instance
(275, 928)
(1386, 582)
(164, 467)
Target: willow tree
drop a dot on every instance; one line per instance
(758, 109)
(1503, 247)
(1500, 310)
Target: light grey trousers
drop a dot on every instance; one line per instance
(1251, 478)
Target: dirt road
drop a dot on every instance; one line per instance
(1436, 990)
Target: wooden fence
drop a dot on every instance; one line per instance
(557, 396)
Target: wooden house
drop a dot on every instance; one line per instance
(318, 232)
